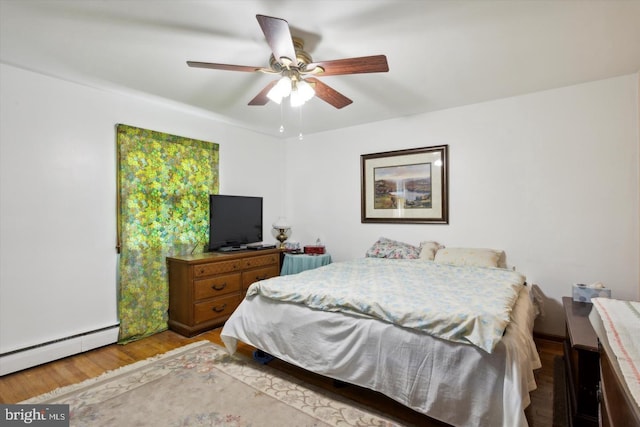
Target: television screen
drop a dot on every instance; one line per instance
(234, 221)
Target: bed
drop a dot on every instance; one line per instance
(426, 335)
(617, 325)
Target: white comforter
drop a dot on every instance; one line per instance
(463, 304)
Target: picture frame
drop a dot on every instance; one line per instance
(406, 186)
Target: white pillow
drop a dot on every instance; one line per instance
(479, 257)
(428, 249)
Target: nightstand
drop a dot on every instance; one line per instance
(582, 362)
(293, 264)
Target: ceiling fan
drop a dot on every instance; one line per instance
(297, 69)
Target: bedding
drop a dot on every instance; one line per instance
(469, 256)
(457, 303)
(388, 248)
(451, 380)
(428, 249)
(617, 325)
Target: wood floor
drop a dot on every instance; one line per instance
(31, 382)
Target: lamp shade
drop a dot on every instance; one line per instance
(305, 90)
(282, 89)
(281, 223)
(296, 99)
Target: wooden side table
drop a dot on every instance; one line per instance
(582, 362)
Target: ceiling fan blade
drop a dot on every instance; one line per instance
(329, 94)
(227, 67)
(261, 98)
(278, 36)
(364, 64)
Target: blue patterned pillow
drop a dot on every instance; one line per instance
(387, 248)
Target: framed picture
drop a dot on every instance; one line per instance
(406, 186)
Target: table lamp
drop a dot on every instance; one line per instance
(282, 226)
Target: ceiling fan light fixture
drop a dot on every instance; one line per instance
(305, 90)
(289, 59)
(282, 89)
(301, 92)
(296, 99)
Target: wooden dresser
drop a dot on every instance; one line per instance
(205, 289)
(583, 365)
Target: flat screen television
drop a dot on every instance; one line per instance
(234, 222)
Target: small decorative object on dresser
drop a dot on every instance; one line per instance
(283, 227)
(317, 249)
(582, 363)
(205, 289)
(314, 250)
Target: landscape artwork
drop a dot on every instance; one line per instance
(402, 186)
(406, 186)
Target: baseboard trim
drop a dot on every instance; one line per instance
(36, 355)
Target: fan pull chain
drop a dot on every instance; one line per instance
(300, 136)
(281, 119)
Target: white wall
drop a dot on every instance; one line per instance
(57, 197)
(550, 177)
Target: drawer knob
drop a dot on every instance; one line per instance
(219, 287)
(219, 309)
(261, 277)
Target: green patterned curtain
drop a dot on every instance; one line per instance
(164, 182)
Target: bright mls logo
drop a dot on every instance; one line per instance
(34, 415)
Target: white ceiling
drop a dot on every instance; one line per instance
(441, 54)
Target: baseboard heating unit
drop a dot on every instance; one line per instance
(18, 360)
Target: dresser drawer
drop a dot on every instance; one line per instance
(217, 307)
(259, 261)
(216, 268)
(205, 289)
(249, 277)
(216, 286)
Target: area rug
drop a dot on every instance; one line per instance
(202, 385)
